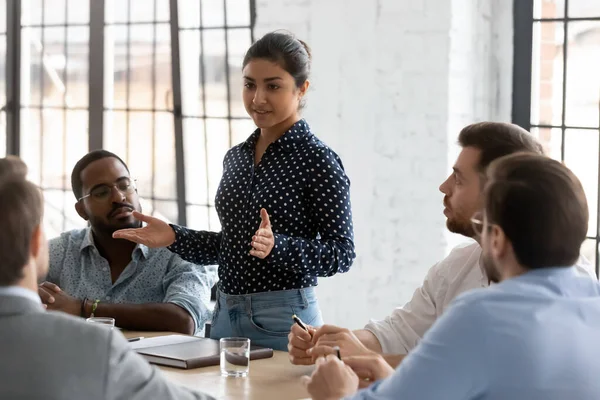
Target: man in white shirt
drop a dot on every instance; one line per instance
(461, 271)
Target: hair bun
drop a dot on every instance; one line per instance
(303, 43)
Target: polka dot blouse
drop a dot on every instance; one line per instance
(302, 185)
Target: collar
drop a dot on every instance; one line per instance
(288, 141)
(559, 272)
(88, 241)
(18, 291)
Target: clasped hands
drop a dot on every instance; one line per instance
(334, 378)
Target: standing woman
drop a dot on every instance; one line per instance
(283, 203)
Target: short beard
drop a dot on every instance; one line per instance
(107, 230)
(460, 227)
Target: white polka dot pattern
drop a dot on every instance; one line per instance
(302, 185)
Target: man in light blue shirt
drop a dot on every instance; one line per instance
(92, 273)
(532, 336)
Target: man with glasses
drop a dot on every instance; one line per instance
(461, 271)
(532, 336)
(92, 274)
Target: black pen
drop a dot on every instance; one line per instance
(337, 351)
(298, 321)
(135, 339)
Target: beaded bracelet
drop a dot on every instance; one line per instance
(94, 306)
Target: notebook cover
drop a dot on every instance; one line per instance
(201, 352)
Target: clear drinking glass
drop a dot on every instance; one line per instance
(104, 321)
(235, 356)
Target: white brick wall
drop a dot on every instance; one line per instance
(393, 81)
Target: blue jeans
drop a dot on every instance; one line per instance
(265, 318)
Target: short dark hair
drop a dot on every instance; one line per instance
(12, 166)
(76, 182)
(289, 53)
(497, 139)
(541, 207)
(21, 212)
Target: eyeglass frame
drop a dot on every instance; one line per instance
(133, 183)
(477, 222)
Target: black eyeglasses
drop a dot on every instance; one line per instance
(103, 192)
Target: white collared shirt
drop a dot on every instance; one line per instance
(459, 272)
(20, 292)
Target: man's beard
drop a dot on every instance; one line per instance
(108, 230)
(465, 228)
(490, 268)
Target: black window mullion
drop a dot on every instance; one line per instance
(64, 118)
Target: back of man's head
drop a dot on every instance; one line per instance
(21, 213)
(497, 139)
(541, 207)
(12, 167)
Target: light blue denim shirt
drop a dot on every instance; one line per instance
(534, 336)
(152, 276)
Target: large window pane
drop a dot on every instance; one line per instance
(77, 141)
(241, 129)
(165, 210)
(216, 79)
(191, 17)
(191, 73)
(551, 139)
(198, 217)
(2, 70)
(589, 250)
(239, 42)
(218, 143)
(238, 13)
(2, 17)
(163, 74)
(77, 66)
(53, 143)
(78, 11)
(116, 138)
(213, 13)
(31, 142)
(196, 171)
(547, 73)
(31, 12)
(581, 156)
(548, 9)
(582, 8)
(139, 154)
(55, 12)
(165, 179)
(583, 79)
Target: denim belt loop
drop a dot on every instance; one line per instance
(303, 296)
(248, 301)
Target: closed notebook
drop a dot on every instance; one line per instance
(188, 352)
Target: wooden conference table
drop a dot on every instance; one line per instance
(269, 379)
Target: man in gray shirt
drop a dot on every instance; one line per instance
(52, 355)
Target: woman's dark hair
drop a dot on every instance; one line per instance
(289, 53)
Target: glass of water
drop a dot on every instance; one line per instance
(235, 356)
(104, 321)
